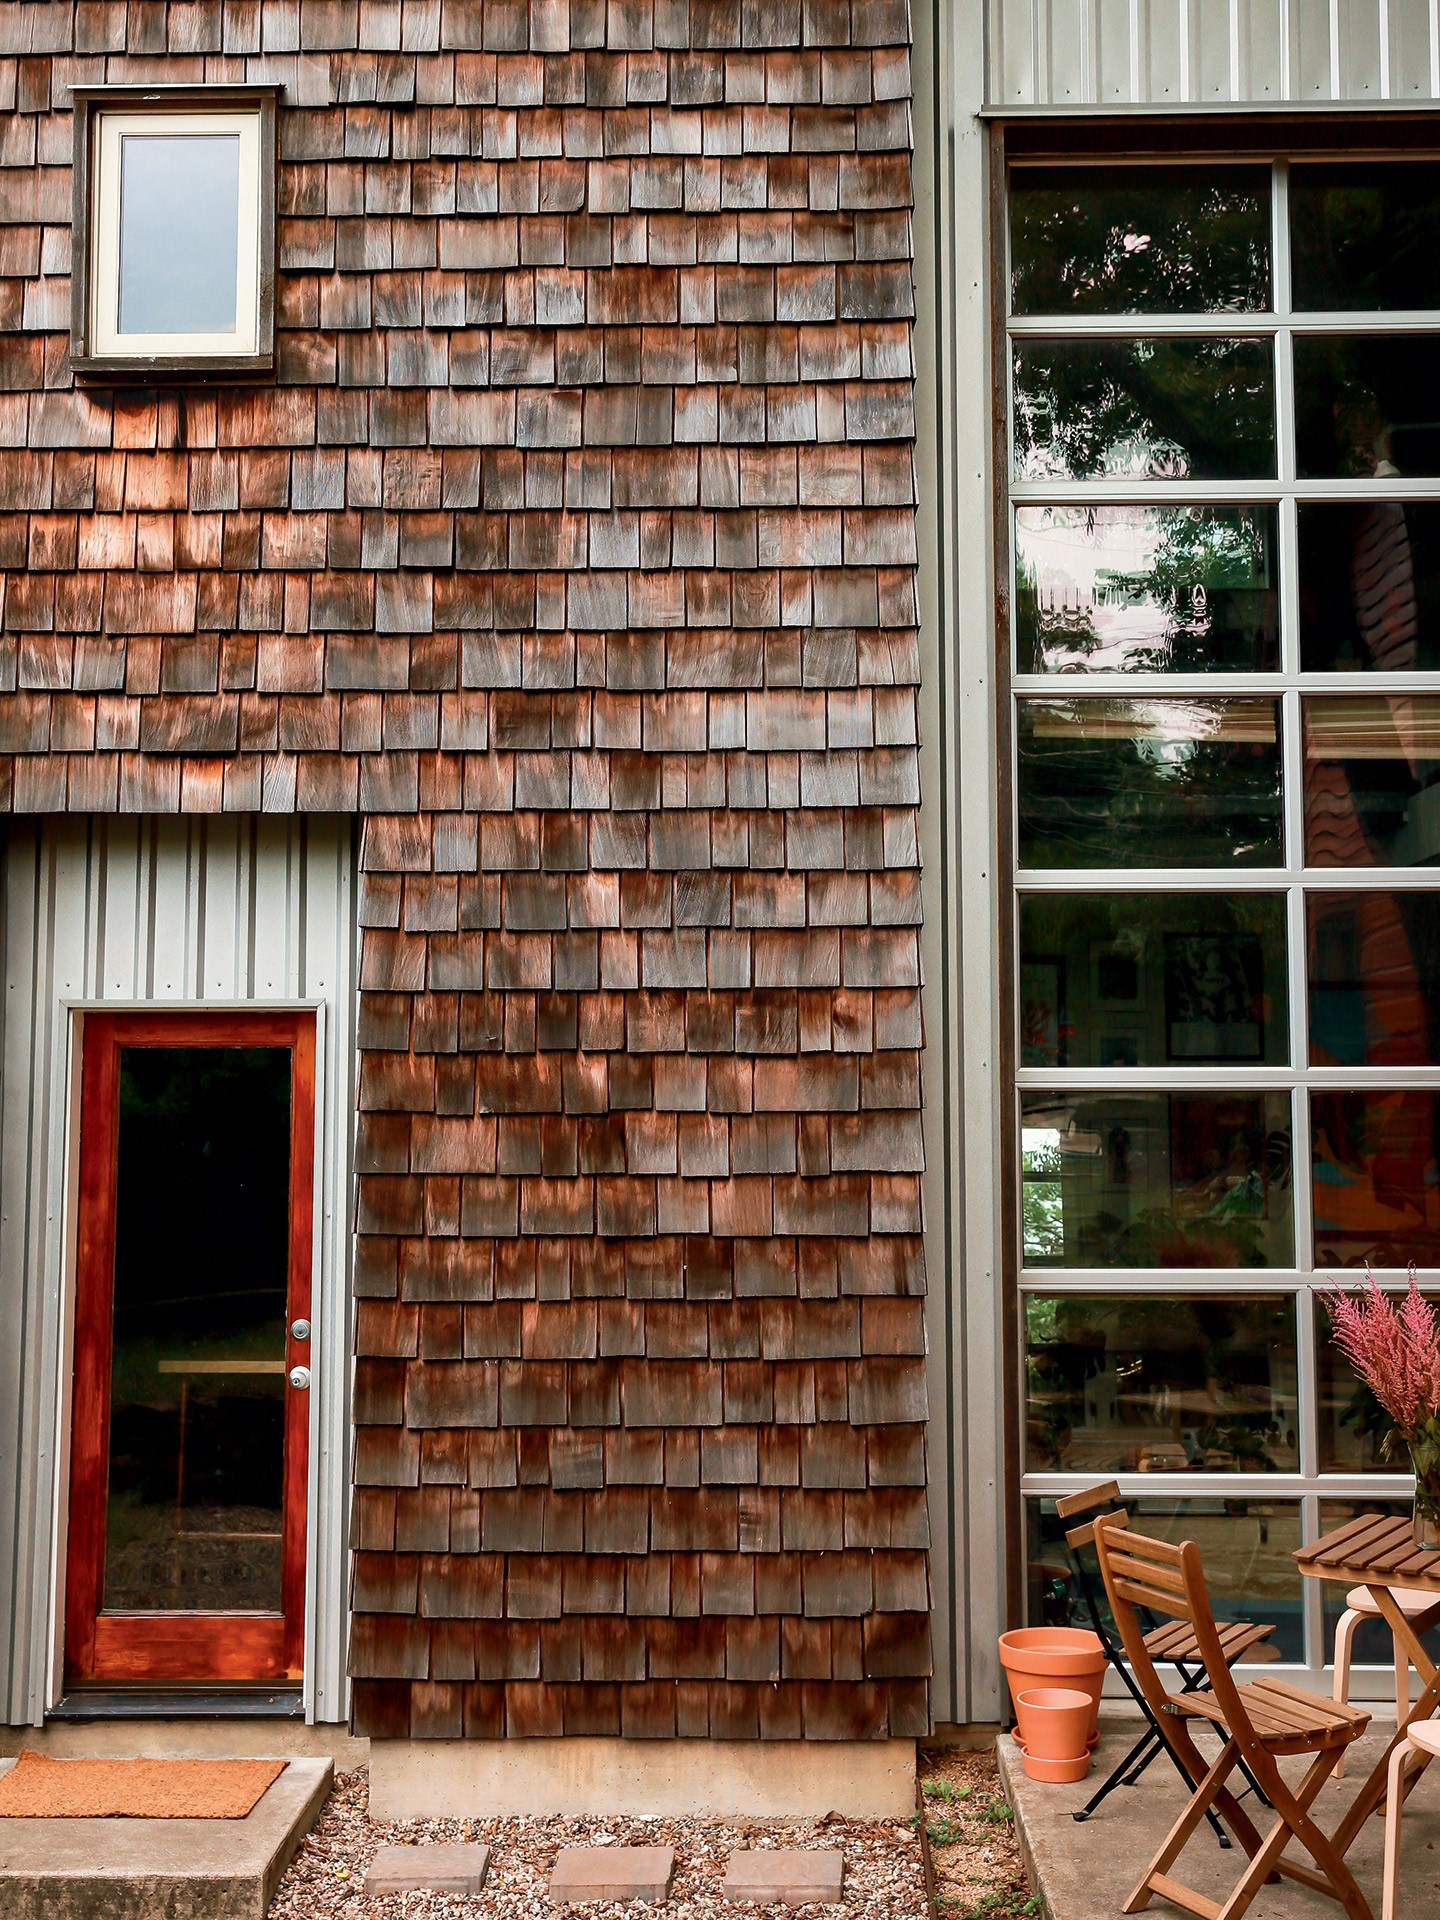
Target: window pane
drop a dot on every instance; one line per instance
(1367, 406)
(1144, 979)
(1151, 1384)
(1376, 1178)
(1369, 586)
(1247, 1547)
(1149, 783)
(1365, 237)
(1352, 1422)
(1373, 1645)
(1146, 589)
(1140, 239)
(179, 232)
(1152, 408)
(1156, 1179)
(1372, 762)
(1374, 971)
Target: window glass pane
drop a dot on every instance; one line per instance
(1150, 408)
(1247, 1547)
(1156, 1384)
(1365, 237)
(1145, 979)
(179, 232)
(1372, 763)
(1367, 406)
(1352, 1422)
(1140, 239)
(1374, 973)
(1376, 1178)
(1156, 1179)
(1131, 589)
(1373, 1645)
(1369, 586)
(1148, 783)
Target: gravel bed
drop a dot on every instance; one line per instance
(884, 1878)
(978, 1875)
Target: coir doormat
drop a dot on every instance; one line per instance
(40, 1788)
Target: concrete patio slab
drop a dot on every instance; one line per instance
(160, 1869)
(458, 1867)
(1086, 1871)
(611, 1873)
(785, 1876)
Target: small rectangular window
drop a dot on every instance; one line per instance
(174, 204)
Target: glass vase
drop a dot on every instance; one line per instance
(1424, 1445)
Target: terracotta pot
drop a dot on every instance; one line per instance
(1055, 1657)
(1056, 1720)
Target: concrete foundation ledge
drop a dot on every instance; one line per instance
(725, 1779)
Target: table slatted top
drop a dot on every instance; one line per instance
(1373, 1548)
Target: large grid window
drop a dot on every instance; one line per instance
(1224, 517)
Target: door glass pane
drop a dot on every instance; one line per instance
(1156, 1179)
(1149, 783)
(1365, 238)
(179, 232)
(1376, 1184)
(1373, 1645)
(1129, 589)
(1369, 586)
(1247, 1547)
(1150, 1383)
(1374, 971)
(198, 1363)
(1157, 408)
(1372, 781)
(1367, 406)
(1147, 979)
(1140, 240)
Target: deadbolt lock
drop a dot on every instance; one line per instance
(299, 1377)
(300, 1330)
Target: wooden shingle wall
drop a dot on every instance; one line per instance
(573, 548)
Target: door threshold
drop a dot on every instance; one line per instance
(230, 1703)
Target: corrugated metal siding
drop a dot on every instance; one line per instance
(165, 911)
(1164, 53)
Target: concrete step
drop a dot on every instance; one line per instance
(160, 1869)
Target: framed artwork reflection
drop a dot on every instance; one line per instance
(1214, 998)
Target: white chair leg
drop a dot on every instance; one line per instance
(1402, 1685)
(1344, 1636)
(1394, 1801)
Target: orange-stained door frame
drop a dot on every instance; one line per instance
(175, 1646)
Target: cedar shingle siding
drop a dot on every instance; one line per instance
(573, 549)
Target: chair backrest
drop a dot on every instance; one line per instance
(1168, 1581)
(1101, 1503)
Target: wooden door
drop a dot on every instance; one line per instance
(189, 1432)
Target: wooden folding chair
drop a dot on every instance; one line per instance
(1170, 1645)
(1261, 1722)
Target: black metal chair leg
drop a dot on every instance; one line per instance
(1117, 1775)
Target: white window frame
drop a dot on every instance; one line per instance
(112, 129)
(1308, 1488)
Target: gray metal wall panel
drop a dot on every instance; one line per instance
(172, 911)
(1172, 53)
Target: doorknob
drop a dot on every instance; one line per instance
(300, 1330)
(299, 1377)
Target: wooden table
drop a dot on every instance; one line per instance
(1376, 1551)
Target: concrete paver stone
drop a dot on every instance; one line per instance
(612, 1873)
(458, 1867)
(785, 1876)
